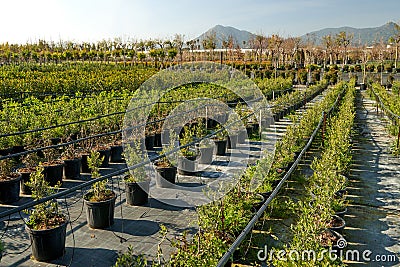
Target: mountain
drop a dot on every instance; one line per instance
(362, 36)
(223, 32)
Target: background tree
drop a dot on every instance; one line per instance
(328, 42)
(258, 43)
(178, 42)
(343, 40)
(210, 43)
(395, 39)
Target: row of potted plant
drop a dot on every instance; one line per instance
(391, 103)
(319, 222)
(39, 79)
(33, 113)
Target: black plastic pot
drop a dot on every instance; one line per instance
(341, 213)
(340, 228)
(337, 246)
(5, 151)
(84, 163)
(48, 245)
(165, 176)
(137, 193)
(149, 142)
(249, 129)
(157, 140)
(242, 137)
(72, 168)
(18, 149)
(53, 173)
(258, 202)
(206, 155)
(220, 146)
(266, 194)
(100, 215)
(25, 176)
(116, 153)
(55, 141)
(232, 141)
(256, 127)
(9, 190)
(187, 165)
(106, 154)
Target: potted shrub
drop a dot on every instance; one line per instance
(137, 182)
(220, 141)
(116, 149)
(205, 148)
(46, 225)
(157, 135)
(339, 206)
(72, 163)
(30, 162)
(53, 167)
(187, 164)
(150, 137)
(99, 201)
(9, 182)
(166, 166)
(241, 112)
(104, 151)
(337, 224)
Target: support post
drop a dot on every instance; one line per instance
(398, 134)
(323, 127)
(206, 117)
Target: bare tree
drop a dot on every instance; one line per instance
(395, 39)
(274, 44)
(328, 43)
(344, 40)
(210, 42)
(178, 43)
(258, 43)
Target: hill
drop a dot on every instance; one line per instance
(223, 33)
(362, 36)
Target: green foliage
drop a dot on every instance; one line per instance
(133, 155)
(1, 246)
(45, 215)
(129, 259)
(99, 191)
(171, 159)
(187, 138)
(6, 167)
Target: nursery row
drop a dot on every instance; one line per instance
(317, 214)
(20, 81)
(390, 105)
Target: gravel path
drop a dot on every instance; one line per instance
(373, 219)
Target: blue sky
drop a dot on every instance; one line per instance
(92, 20)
